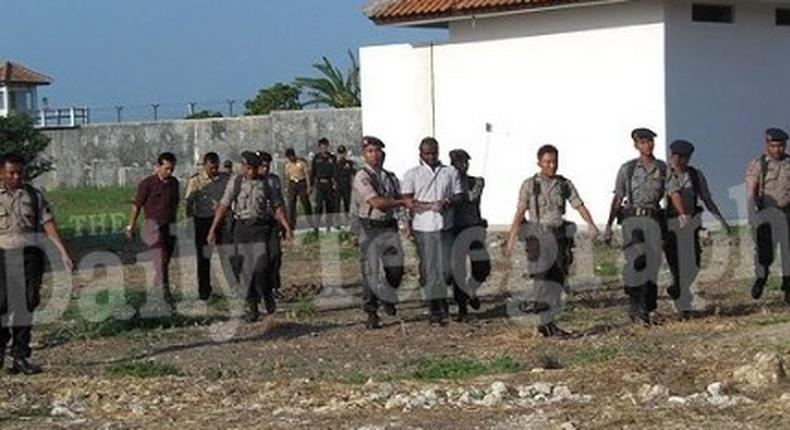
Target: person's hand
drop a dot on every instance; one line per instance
(211, 239)
(607, 235)
(594, 232)
(288, 235)
(67, 262)
(683, 221)
(128, 231)
(508, 246)
(407, 203)
(406, 233)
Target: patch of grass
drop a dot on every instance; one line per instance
(303, 310)
(594, 356)
(549, 362)
(462, 368)
(774, 284)
(356, 378)
(773, 320)
(142, 369)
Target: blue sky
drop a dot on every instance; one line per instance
(103, 53)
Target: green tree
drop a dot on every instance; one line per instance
(279, 96)
(204, 114)
(332, 88)
(17, 135)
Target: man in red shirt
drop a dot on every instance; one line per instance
(157, 196)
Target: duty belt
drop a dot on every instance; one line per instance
(378, 223)
(638, 211)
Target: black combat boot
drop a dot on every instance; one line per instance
(673, 291)
(373, 322)
(758, 287)
(463, 313)
(390, 309)
(21, 365)
(252, 313)
(786, 288)
(269, 303)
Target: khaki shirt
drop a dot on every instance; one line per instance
(383, 184)
(647, 184)
(776, 185)
(252, 200)
(681, 183)
(204, 193)
(296, 171)
(18, 217)
(550, 204)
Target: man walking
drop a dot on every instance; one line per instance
(204, 191)
(253, 202)
(431, 191)
(768, 197)
(24, 212)
(157, 197)
(545, 196)
(378, 198)
(322, 179)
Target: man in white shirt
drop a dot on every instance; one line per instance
(431, 190)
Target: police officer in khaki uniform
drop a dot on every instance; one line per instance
(545, 196)
(251, 198)
(377, 192)
(686, 188)
(768, 196)
(639, 190)
(297, 177)
(204, 191)
(24, 212)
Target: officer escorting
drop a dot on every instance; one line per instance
(344, 176)
(204, 191)
(768, 197)
(322, 180)
(639, 189)
(686, 186)
(544, 196)
(469, 244)
(297, 175)
(24, 212)
(251, 197)
(377, 192)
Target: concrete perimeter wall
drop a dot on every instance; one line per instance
(121, 154)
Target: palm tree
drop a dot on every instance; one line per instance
(333, 89)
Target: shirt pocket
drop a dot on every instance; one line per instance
(4, 219)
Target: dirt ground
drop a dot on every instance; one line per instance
(313, 365)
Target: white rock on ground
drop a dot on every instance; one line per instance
(766, 370)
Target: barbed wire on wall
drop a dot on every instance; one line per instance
(162, 111)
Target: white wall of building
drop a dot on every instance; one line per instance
(726, 83)
(579, 78)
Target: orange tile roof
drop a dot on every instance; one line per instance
(13, 73)
(403, 11)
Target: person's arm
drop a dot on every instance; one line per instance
(515, 227)
(139, 201)
(617, 201)
(282, 219)
(576, 202)
(219, 216)
(710, 205)
(51, 230)
(189, 200)
(752, 173)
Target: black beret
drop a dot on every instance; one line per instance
(643, 133)
(265, 156)
(460, 155)
(682, 147)
(776, 134)
(341, 149)
(371, 140)
(251, 158)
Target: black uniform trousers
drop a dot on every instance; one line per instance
(643, 238)
(381, 258)
(683, 252)
(549, 257)
(343, 202)
(298, 191)
(324, 202)
(469, 245)
(273, 281)
(771, 229)
(203, 254)
(21, 272)
(252, 258)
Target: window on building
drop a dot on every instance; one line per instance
(783, 17)
(712, 13)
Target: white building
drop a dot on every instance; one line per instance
(18, 88)
(516, 74)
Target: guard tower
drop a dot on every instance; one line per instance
(18, 88)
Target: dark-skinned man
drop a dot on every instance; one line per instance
(431, 191)
(377, 192)
(322, 180)
(275, 239)
(253, 202)
(545, 196)
(204, 191)
(686, 187)
(469, 243)
(639, 189)
(768, 199)
(24, 214)
(297, 177)
(344, 176)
